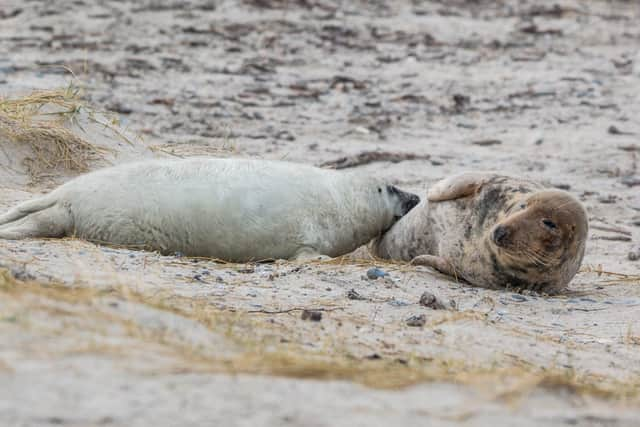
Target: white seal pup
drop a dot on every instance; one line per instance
(233, 209)
(493, 231)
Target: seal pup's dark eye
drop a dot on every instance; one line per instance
(523, 205)
(549, 224)
(379, 190)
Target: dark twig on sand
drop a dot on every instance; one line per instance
(611, 228)
(614, 238)
(630, 148)
(367, 157)
(487, 142)
(290, 310)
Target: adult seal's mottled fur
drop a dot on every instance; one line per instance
(493, 231)
(232, 209)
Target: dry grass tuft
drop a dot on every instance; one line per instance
(41, 121)
(616, 278)
(505, 379)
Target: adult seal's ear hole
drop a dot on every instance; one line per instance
(494, 231)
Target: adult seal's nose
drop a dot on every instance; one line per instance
(500, 234)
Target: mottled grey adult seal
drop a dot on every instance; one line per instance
(232, 209)
(493, 231)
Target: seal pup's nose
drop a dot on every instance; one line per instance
(500, 234)
(407, 200)
(411, 202)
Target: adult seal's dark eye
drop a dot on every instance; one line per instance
(549, 224)
(379, 190)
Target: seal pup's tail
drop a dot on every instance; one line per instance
(40, 217)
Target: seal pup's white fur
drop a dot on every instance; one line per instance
(231, 209)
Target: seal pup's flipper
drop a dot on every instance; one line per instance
(458, 186)
(26, 208)
(437, 263)
(52, 221)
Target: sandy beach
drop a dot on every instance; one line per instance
(547, 90)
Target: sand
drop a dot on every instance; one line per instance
(545, 90)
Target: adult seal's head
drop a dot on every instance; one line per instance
(493, 231)
(541, 239)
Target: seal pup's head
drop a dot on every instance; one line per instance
(540, 243)
(362, 209)
(387, 202)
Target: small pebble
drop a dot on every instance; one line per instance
(461, 101)
(353, 294)
(398, 303)
(313, 315)
(631, 181)
(417, 321)
(613, 130)
(375, 273)
(427, 299)
(518, 297)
